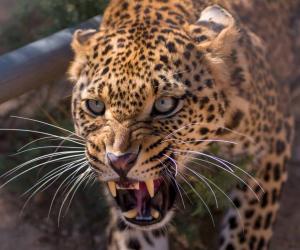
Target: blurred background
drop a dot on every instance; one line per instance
(82, 226)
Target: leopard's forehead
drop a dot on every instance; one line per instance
(129, 67)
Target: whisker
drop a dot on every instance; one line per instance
(60, 146)
(245, 172)
(239, 134)
(174, 182)
(217, 187)
(203, 123)
(176, 167)
(44, 147)
(199, 196)
(179, 129)
(231, 173)
(32, 168)
(48, 124)
(74, 175)
(90, 179)
(200, 140)
(55, 175)
(206, 183)
(75, 186)
(85, 176)
(178, 187)
(202, 160)
(61, 170)
(36, 140)
(196, 161)
(69, 178)
(206, 155)
(42, 133)
(15, 169)
(237, 167)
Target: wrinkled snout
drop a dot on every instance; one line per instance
(122, 163)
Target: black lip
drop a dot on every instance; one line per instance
(144, 223)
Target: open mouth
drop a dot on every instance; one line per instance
(144, 203)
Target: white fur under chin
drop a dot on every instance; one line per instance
(160, 243)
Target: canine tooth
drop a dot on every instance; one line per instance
(150, 187)
(131, 213)
(137, 186)
(112, 188)
(155, 214)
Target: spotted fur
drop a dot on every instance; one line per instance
(225, 67)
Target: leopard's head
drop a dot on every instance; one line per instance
(146, 99)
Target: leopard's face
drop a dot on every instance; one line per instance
(145, 105)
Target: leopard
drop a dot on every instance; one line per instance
(158, 83)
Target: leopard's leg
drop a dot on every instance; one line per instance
(249, 226)
(122, 237)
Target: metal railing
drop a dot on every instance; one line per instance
(38, 63)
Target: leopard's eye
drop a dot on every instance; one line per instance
(165, 106)
(95, 107)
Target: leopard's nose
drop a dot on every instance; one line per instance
(122, 164)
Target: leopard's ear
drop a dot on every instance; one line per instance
(79, 46)
(81, 37)
(216, 33)
(216, 30)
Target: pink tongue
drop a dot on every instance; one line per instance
(141, 196)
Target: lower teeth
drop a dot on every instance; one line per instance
(154, 213)
(145, 218)
(133, 214)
